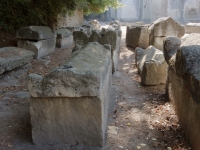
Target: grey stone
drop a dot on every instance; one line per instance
(154, 72)
(151, 53)
(62, 33)
(70, 104)
(40, 48)
(192, 28)
(139, 52)
(35, 33)
(96, 37)
(171, 45)
(13, 57)
(166, 26)
(132, 36)
(6, 98)
(157, 42)
(64, 42)
(110, 37)
(186, 58)
(137, 36)
(80, 36)
(19, 95)
(94, 25)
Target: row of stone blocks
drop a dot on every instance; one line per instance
(183, 85)
(70, 104)
(111, 36)
(153, 34)
(42, 41)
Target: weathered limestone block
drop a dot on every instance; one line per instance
(171, 45)
(80, 36)
(154, 72)
(96, 37)
(162, 28)
(40, 48)
(191, 39)
(111, 37)
(166, 26)
(192, 28)
(132, 36)
(151, 66)
(39, 39)
(183, 89)
(35, 33)
(157, 42)
(70, 104)
(13, 57)
(64, 38)
(137, 36)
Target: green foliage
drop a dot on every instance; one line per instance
(15, 14)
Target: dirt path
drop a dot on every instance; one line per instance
(139, 117)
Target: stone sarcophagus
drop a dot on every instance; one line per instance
(70, 104)
(38, 39)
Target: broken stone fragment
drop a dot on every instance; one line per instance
(62, 33)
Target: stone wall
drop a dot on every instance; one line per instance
(149, 11)
(75, 20)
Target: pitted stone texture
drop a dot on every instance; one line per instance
(154, 72)
(72, 100)
(186, 58)
(35, 33)
(62, 33)
(40, 48)
(192, 28)
(80, 76)
(80, 36)
(13, 57)
(171, 45)
(96, 37)
(166, 26)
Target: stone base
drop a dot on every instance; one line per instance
(65, 42)
(40, 48)
(154, 73)
(187, 109)
(13, 57)
(192, 28)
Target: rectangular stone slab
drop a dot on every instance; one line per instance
(70, 104)
(13, 57)
(192, 28)
(40, 48)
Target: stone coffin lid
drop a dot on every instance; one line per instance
(166, 26)
(62, 33)
(35, 33)
(82, 74)
(13, 57)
